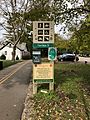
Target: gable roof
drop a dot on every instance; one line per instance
(9, 42)
(3, 45)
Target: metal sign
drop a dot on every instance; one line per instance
(43, 32)
(52, 53)
(42, 45)
(36, 57)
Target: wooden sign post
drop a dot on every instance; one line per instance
(43, 37)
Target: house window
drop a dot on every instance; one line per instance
(5, 52)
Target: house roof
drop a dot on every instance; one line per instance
(3, 45)
(9, 42)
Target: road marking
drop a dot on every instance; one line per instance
(12, 73)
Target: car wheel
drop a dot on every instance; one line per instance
(61, 60)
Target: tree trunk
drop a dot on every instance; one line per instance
(14, 53)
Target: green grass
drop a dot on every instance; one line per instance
(74, 80)
(71, 98)
(7, 63)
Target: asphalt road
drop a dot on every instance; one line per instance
(14, 82)
(83, 59)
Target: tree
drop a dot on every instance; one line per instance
(81, 37)
(61, 44)
(14, 22)
(70, 12)
(19, 19)
(39, 10)
(61, 11)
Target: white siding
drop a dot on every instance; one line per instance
(19, 53)
(9, 52)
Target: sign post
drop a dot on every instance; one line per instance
(43, 37)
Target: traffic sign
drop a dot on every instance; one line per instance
(52, 53)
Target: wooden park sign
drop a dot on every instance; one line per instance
(43, 34)
(43, 72)
(43, 37)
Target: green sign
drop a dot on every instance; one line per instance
(52, 53)
(43, 80)
(42, 45)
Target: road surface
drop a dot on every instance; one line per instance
(14, 82)
(83, 59)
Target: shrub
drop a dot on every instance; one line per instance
(17, 58)
(3, 57)
(26, 57)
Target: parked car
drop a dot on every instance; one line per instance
(66, 57)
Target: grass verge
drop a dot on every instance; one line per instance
(71, 98)
(7, 63)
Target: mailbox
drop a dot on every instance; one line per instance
(36, 56)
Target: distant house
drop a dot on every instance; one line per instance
(7, 48)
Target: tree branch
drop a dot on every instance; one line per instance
(78, 9)
(1, 24)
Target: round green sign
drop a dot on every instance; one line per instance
(52, 53)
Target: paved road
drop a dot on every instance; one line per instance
(13, 87)
(83, 59)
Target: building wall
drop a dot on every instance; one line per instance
(7, 51)
(19, 53)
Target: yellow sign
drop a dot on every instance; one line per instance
(43, 71)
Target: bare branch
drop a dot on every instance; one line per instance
(1, 24)
(80, 10)
(6, 6)
(22, 5)
(3, 10)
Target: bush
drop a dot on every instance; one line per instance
(3, 57)
(17, 58)
(26, 57)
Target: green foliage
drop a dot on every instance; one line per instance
(40, 10)
(60, 44)
(3, 57)
(80, 40)
(7, 63)
(26, 57)
(17, 58)
(46, 96)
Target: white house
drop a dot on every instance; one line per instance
(7, 49)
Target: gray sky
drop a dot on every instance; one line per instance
(1, 34)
